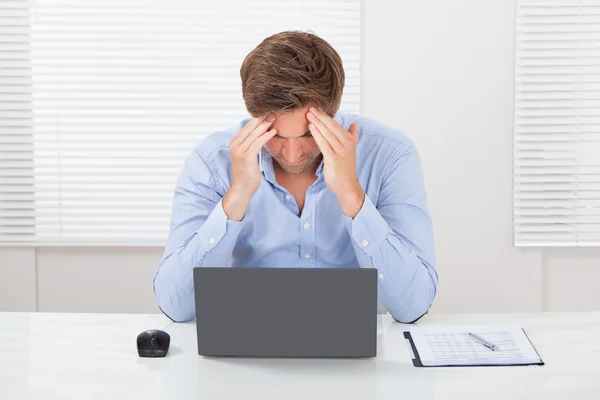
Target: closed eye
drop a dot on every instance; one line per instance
(306, 135)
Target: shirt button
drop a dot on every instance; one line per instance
(211, 240)
(364, 243)
(288, 197)
(307, 256)
(307, 226)
(380, 276)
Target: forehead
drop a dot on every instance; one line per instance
(292, 124)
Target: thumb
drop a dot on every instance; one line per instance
(353, 129)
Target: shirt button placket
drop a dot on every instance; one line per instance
(307, 229)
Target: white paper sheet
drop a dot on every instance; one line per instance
(452, 345)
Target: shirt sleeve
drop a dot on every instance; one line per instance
(396, 238)
(200, 235)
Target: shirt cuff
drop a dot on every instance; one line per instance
(368, 229)
(218, 230)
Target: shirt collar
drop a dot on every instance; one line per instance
(320, 168)
(263, 154)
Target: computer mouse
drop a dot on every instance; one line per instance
(153, 343)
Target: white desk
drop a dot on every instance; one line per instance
(93, 356)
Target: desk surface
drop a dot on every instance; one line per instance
(93, 356)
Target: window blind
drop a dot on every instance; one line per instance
(557, 123)
(101, 101)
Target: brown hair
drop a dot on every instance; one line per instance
(291, 70)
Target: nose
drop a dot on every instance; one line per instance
(291, 151)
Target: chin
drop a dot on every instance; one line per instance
(295, 169)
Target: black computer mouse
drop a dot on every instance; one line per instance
(153, 343)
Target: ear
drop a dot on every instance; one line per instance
(353, 129)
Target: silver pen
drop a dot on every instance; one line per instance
(484, 342)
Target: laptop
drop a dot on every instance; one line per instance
(286, 312)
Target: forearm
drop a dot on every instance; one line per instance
(407, 282)
(210, 245)
(406, 287)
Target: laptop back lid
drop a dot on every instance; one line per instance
(286, 312)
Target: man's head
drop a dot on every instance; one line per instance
(284, 75)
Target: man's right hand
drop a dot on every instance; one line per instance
(245, 172)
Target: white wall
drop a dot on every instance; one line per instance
(78, 279)
(442, 72)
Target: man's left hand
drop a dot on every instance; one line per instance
(338, 147)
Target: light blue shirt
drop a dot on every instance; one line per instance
(392, 231)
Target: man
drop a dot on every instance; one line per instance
(301, 185)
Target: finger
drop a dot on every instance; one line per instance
(353, 129)
(261, 141)
(321, 142)
(247, 129)
(329, 137)
(247, 141)
(331, 124)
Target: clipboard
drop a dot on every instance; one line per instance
(417, 362)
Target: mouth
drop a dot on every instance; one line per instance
(282, 160)
(296, 163)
